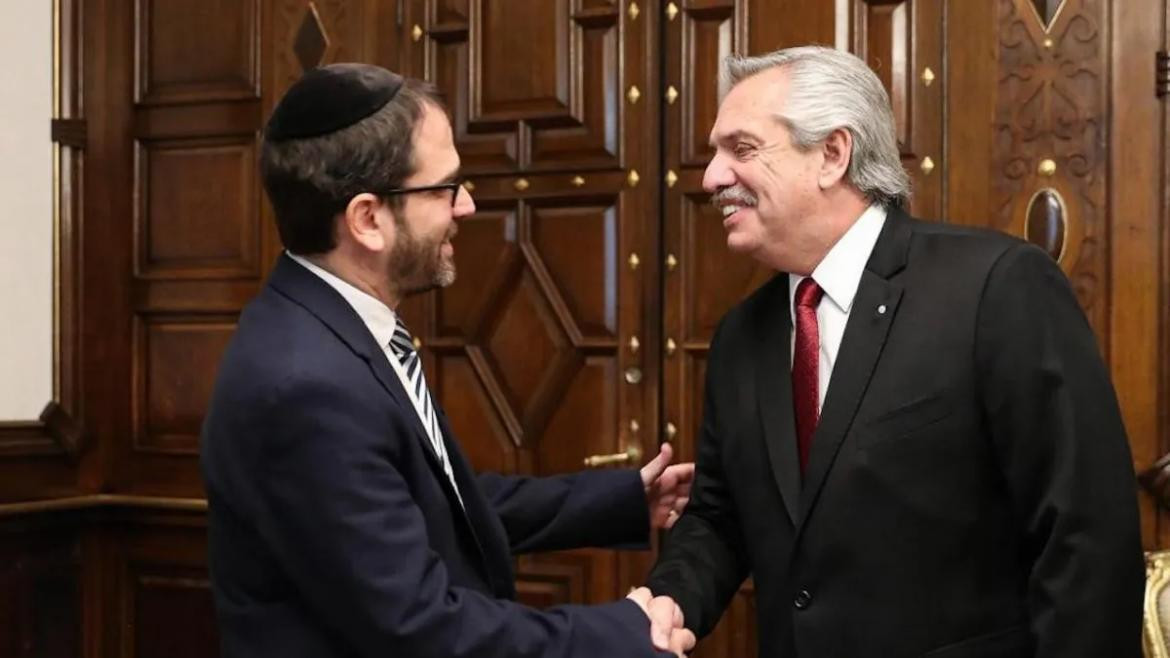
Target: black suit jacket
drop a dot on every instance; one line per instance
(334, 531)
(969, 491)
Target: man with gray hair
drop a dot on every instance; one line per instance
(909, 438)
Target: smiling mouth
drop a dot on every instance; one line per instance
(729, 210)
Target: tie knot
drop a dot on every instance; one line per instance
(402, 342)
(808, 293)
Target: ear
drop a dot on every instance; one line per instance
(836, 152)
(363, 224)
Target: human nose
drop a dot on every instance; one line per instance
(718, 174)
(462, 205)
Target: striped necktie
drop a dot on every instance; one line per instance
(402, 345)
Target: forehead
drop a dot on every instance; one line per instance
(433, 128)
(751, 104)
(434, 143)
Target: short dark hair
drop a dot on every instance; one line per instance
(309, 181)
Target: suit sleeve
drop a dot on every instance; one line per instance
(1058, 436)
(341, 522)
(598, 509)
(702, 562)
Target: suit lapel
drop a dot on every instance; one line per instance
(773, 388)
(872, 314)
(319, 298)
(493, 547)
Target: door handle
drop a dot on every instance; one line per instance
(633, 454)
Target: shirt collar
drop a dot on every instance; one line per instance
(839, 272)
(378, 318)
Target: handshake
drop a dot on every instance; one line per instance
(666, 622)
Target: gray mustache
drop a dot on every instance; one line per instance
(736, 195)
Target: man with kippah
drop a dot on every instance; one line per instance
(344, 519)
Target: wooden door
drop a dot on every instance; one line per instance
(541, 351)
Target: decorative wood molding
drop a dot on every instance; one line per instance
(63, 427)
(69, 132)
(1051, 104)
(103, 501)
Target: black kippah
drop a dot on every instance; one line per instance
(330, 98)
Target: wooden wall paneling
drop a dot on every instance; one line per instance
(100, 622)
(766, 26)
(166, 605)
(195, 218)
(40, 597)
(169, 399)
(541, 351)
(168, 34)
(902, 41)
(1138, 213)
(146, 591)
(556, 114)
(969, 81)
(107, 262)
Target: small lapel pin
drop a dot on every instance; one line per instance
(882, 309)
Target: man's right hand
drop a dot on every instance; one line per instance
(666, 622)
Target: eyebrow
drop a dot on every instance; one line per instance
(734, 136)
(455, 175)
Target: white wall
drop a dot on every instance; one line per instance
(26, 208)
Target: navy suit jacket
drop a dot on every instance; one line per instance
(333, 530)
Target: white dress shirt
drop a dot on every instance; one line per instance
(381, 320)
(839, 275)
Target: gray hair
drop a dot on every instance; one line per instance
(828, 90)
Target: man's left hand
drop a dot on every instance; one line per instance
(668, 488)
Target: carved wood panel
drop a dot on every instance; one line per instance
(156, 584)
(531, 84)
(198, 236)
(40, 598)
(170, 396)
(196, 51)
(541, 350)
(526, 351)
(175, 237)
(161, 596)
(902, 41)
(1050, 133)
(533, 350)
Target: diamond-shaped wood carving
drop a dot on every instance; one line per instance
(1047, 10)
(312, 41)
(524, 343)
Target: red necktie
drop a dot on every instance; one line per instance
(805, 359)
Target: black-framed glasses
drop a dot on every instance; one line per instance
(452, 186)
